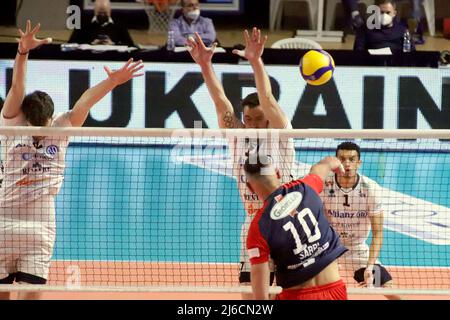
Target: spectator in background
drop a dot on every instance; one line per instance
(415, 23)
(189, 22)
(390, 33)
(102, 29)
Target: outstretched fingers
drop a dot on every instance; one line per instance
(36, 29)
(264, 40)
(28, 29)
(191, 42)
(246, 37)
(214, 46)
(45, 41)
(135, 67)
(199, 41)
(108, 70)
(127, 64)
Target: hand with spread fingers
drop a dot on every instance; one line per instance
(28, 40)
(126, 73)
(199, 52)
(254, 46)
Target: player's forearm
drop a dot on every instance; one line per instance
(16, 93)
(224, 110)
(260, 288)
(20, 71)
(262, 81)
(259, 278)
(89, 98)
(213, 84)
(375, 248)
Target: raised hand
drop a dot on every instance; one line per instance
(126, 73)
(28, 39)
(199, 52)
(254, 46)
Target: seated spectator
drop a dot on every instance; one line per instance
(189, 22)
(415, 22)
(389, 34)
(102, 29)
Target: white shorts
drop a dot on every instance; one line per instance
(27, 235)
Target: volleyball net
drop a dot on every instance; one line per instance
(160, 210)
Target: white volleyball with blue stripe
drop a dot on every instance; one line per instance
(317, 67)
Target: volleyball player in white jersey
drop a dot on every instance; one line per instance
(260, 110)
(353, 206)
(34, 169)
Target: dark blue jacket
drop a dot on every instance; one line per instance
(391, 37)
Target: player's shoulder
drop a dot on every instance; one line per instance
(370, 186)
(367, 183)
(62, 120)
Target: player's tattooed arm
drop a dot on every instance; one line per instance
(230, 121)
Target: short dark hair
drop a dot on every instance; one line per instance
(182, 3)
(349, 146)
(380, 2)
(251, 101)
(38, 108)
(252, 168)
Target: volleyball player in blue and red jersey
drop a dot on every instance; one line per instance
(292, 229)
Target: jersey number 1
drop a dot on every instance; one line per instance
(346, 204)
(311, 238)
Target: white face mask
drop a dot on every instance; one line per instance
(193, 15)
(386, 19)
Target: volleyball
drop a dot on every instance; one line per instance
(317, 67)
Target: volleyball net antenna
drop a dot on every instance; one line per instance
(159, 209)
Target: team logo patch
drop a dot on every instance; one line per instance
(52, 150)
(286, 206)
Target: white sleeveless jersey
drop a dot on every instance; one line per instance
(280, 150)
(349, 209)
(32, 168)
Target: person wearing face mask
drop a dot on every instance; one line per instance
(388, 33)
(102, 30)
(190, 22)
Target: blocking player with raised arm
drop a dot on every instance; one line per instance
(34, 169)
(353, 206)
(260, 110)
(292, 229)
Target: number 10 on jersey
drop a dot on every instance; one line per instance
(289, 226)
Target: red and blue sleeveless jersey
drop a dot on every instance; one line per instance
(293, 230)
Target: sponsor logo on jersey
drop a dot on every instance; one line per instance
(52, 150)
(286, 206)
(347, 214)
(27, 156)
